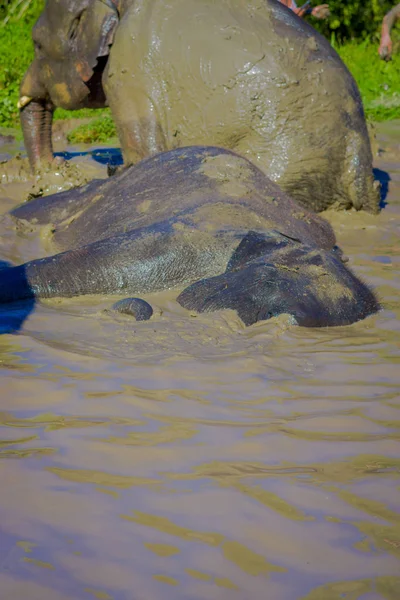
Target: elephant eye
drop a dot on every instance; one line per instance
(38, 49)
(74, 27)
(37, 38)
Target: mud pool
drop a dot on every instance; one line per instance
(193, 458)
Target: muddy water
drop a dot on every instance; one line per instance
(192, 458)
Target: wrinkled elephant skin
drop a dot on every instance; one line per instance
(201, 217)
(248, 76)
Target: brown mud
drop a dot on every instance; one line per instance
(18, 183)
(193, 458)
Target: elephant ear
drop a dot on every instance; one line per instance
(92, 34)
(255, 244)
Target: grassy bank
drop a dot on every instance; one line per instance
(378, 81)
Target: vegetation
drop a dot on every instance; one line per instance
(378, 81)
(353, 29)
(353, 19)
(98, 130)
(14, 11)
(16, 52)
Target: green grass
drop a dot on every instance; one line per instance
(379, 82)
(99, 130)
(16, 54)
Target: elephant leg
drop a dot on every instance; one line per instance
(140, 261)
(131, 90)
(357, 175)
(137, 122)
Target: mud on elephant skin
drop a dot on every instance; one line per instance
(247, 76)
(201, 217)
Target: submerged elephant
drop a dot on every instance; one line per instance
(201, 217)
(247, 76)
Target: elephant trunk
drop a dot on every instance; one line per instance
(36, 120)
(36, 114)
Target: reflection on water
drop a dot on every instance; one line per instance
(192, 458)
(104, 156)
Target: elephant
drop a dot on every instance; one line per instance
(251, 77)
(201, 218)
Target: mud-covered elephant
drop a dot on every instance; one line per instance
(248, 76)
(201, 217)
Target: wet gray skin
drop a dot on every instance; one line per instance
(247, 76)
(137, 308)
(201, 217)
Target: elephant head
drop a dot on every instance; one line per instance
(72, 40)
